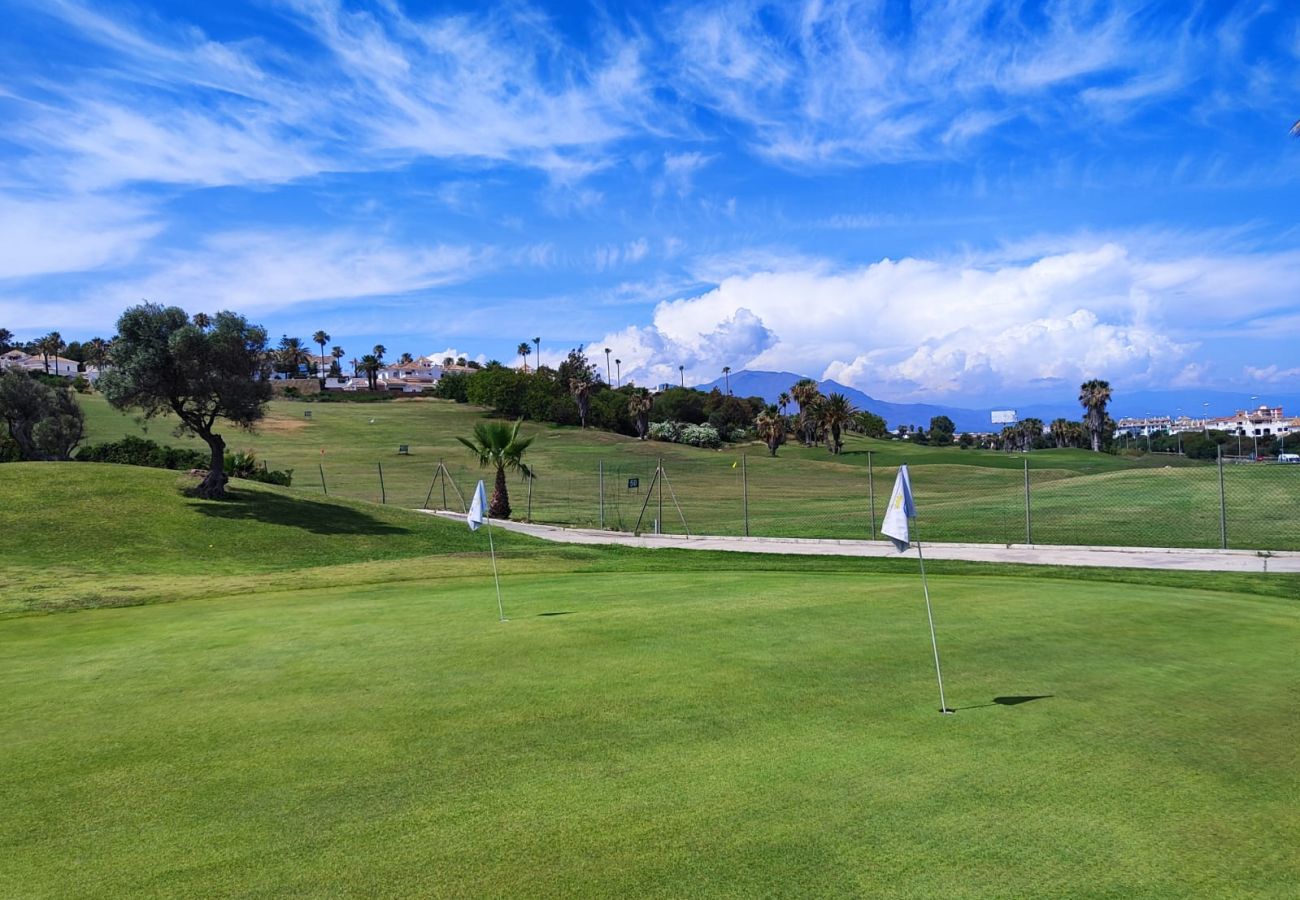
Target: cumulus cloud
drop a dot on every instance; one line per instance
(934, 328)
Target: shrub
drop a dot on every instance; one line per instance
(665, 431)
(701, 436)
(685, 433)
(134, 451)
(244, 464)
(453, 386)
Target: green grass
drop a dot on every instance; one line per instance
(313, 696)
(963, 495)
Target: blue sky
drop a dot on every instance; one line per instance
(965, 202)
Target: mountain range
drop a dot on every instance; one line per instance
(1189, 402)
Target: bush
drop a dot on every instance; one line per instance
(348, 397)
(244, 464)
(134, 451)
(701, 436)
(453, 386)
(685, 433)
(665, 431)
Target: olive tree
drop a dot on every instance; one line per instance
(43, 421)
(162, 363)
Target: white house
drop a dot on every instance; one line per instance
(57, 365)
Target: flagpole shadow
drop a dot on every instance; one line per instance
(1008, 701)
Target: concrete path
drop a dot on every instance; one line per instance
(1023, 554)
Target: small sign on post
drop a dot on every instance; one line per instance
(633, 483)
(306, 413)
(403, 450)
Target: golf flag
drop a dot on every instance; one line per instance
(478, 508)
(901, 508)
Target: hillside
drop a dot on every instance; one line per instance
(769, 385)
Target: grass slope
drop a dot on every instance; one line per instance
(973, 495)
(342, 714)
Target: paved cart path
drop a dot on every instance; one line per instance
(1024, 554)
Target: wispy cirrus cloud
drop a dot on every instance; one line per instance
(41, 236)
(262, 273)
(846, 82)
(172, 105)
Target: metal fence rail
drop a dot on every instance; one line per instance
(1253, 506)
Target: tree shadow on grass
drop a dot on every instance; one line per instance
(1009, 701)
(274, 509)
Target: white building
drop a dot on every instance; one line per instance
(57, 365)
(1265, 421)
(1144, 426)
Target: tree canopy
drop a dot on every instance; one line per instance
(163, 363)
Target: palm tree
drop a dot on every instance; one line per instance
(202, 321)
(50, 345)
(97, 352)
(337, 353)
(638, 407)
(771, 427)
(783, 401)
(538, 342)
(448, 362)
(499, 444)
(618, 372)
(726, 373)
(405, 359)
(371, 365)
(1093, 397)
(523, 350)
(1295, 130)
(681, 370)
(1030, 430)
(580, 387)
(291, 354)
(321, 337)
(806, 394)
(836, 413)
(607, 378)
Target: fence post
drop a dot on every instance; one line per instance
(600, 477)
(321, 466)
(659, 471)
(744, 482)
(1223, 506)
(383, 498)
(529, 514)
(443, 470)
(871, 492)
(1029, 522)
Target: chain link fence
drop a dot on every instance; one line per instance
(1249, 506)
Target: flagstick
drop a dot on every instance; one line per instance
(943, 706)
(496, 578)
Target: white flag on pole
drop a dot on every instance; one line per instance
(478, 508)
(901, 508)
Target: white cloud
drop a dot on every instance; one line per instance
(171, 105)
(679, 172)
(258, 274)
(1273, 374)
(926, 328)
(72, 234)
(836, 82)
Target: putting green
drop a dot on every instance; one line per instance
(731, 732)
